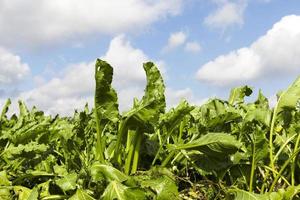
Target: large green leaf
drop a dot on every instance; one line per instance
(212, 144)
(153, 102)
(144, 114)
(261, 115)
(27, 151)
(106, 103)
(289, 97)
(106, 100)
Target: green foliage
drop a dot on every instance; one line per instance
(221, 149)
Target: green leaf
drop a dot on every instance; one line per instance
(106, 103)
(27, 150)
(98, 171)
(68, 182)
(116, 190)
(3, 179)
(289, 97)
(173, 118)
(164, 187)
(262, 101)
(5, 109)
(81, 195)
(145, 113)
(44, 189)
(34, 194)
(5, 193)
(259, 114)
(155, 89)
(281, 194)
(259, 147)
(238, 94)
(22, 193)
(153, 102)
(237, 194)
(212, 144)
(106, 100)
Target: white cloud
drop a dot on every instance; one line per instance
(12, 69)
(127, 61)
(175, 40)
(274, 54)
(174, 96)
(193, 47)
(43, 21)
(228, 13)
(75, 85)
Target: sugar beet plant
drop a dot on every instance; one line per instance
(223, 149)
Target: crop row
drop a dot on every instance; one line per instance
(223, 149)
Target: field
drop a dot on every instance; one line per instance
(223, 149)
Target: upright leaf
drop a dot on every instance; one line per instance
(287, 100)
(262, 101)
(153, 102)
(145, 113)
(5, 109)
(106, 105)
(289, 97)
(106, 100)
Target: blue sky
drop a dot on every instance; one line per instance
(203, 47)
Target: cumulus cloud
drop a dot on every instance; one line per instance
(228, 13)
(192, 47)
(179, 39)
(127, 61)
(12, 69)
(62, 19)
(175, 40)
(75, 85)
(174, 96)
(274, 54)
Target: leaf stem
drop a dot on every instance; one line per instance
(136, 152)
(282, 169)
(294, 161)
